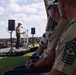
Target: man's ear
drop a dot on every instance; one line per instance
(62, 3)
(61, 6)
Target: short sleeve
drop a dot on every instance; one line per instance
(66, 54)
(44, 40)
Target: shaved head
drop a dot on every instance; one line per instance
(67, 8)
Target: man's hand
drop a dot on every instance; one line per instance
(29, 63)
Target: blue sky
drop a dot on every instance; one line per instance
(31, 13)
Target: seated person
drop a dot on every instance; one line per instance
(44, 39)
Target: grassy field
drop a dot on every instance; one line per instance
(8, 63)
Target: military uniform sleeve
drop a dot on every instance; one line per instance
(66, 54)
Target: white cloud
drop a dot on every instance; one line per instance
(20, 17)
(3, 23)
(13, 7)
(31, 18)
(34, 18)
(1, 10)
(39, 6)
(14, 1)
(29, 13)
(28, 9)
(33, 8)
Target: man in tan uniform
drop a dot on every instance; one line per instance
(18, 33)
(65, 62)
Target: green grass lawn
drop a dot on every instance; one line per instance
(8, 63)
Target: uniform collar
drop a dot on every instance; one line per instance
(68, 25)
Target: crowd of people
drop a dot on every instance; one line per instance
(5, 42)
(59, 56)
